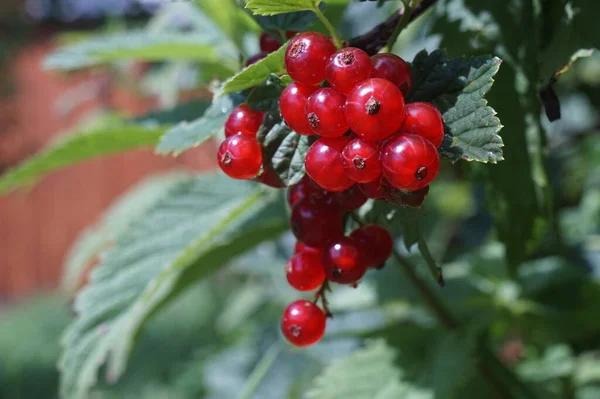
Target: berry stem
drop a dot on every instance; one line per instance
(328, 25)
(321, 294)
(435, 270)
(402, 23)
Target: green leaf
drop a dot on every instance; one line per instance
(368, 373)
(266, 96)
(186, 135)
(452, 365)
(138, 45)
(293, 21)
(199, 226)
(256, 73)
(184, 111)
(107, 136)
(457, 87)
(273, 7)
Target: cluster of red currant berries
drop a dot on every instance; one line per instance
(371, 145)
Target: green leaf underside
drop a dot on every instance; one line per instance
(457, 87)
(256, 73)
(107, 138)
(266, 96)
(188, 235)
(138, 45)
(186, 135)
(368, 373)
(270, 7)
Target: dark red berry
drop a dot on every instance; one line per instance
(413, 199)
(240, 157)
(303, 323)
(361, 160)
(290, 33)
(348, 67)
(393, 68)
(305, 271)
(423, 119)
(300, 190)
(324, 164)
(302, 247)
(268, 177)
(375, 242)
(375, 189)
(255, 58)
(292, 105)
(315, 222)
(409, 162)
(344, 261)
(375, 109)
(268, 43)
(306, 57)
(350, 199)
(325, 113)
(243, 120)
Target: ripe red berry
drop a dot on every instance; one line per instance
(324, 164)
(350, 199)
(375, 109)
(305, 271)
(393, 68)
(268, 177)
(243, 120)
(302, 247)
(268, 43)
(303, 323)
(292, 105)
(425, 120)
(300, 190)
(375, 242)
(316, 222)
(348, 67)
(306, 57)
(375, 189)
(255, 58)
(344, 261)
(290, 33)
(409, 162)
(240, 157)
(361, 160)
(325, 113)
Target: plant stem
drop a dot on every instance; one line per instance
(328, 25)
(406, 13)
(435, 270)
(260, 371)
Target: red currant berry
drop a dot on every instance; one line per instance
(255, 58)
(375, 189)
(305, 271)
(268, 43)
(409, 162)
(350, 199)
(348, 67)
(306, 57)
(243, 120)
(325, 113)
(425, 120)
(375, 242)
(300, 190)
(413, 199)
(393, 68)
(375, 109)
(292, 105)
(344, 261)
(240, 157)
(268, 177)
(324, 164)
(290, 33)
(361, 160)
(303, 323)
(302, 247)
(315, 222)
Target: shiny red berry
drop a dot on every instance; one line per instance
(303, 323)
(361, 160)
(409, 162)
(348, 67)
(393, 68)
(268, 177)
(243, 120)
(350, 199)
(325, 113)
(300, 190)
(323, 164)
(344, 261)
(423, 119)
(268, 43)
(292, 105)
(302, 247)
(255, 58)
(306, 57)
(375, 109)
(305, 271)
(240, 157)
(375, 189)
(375, 242)
(315, 222)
